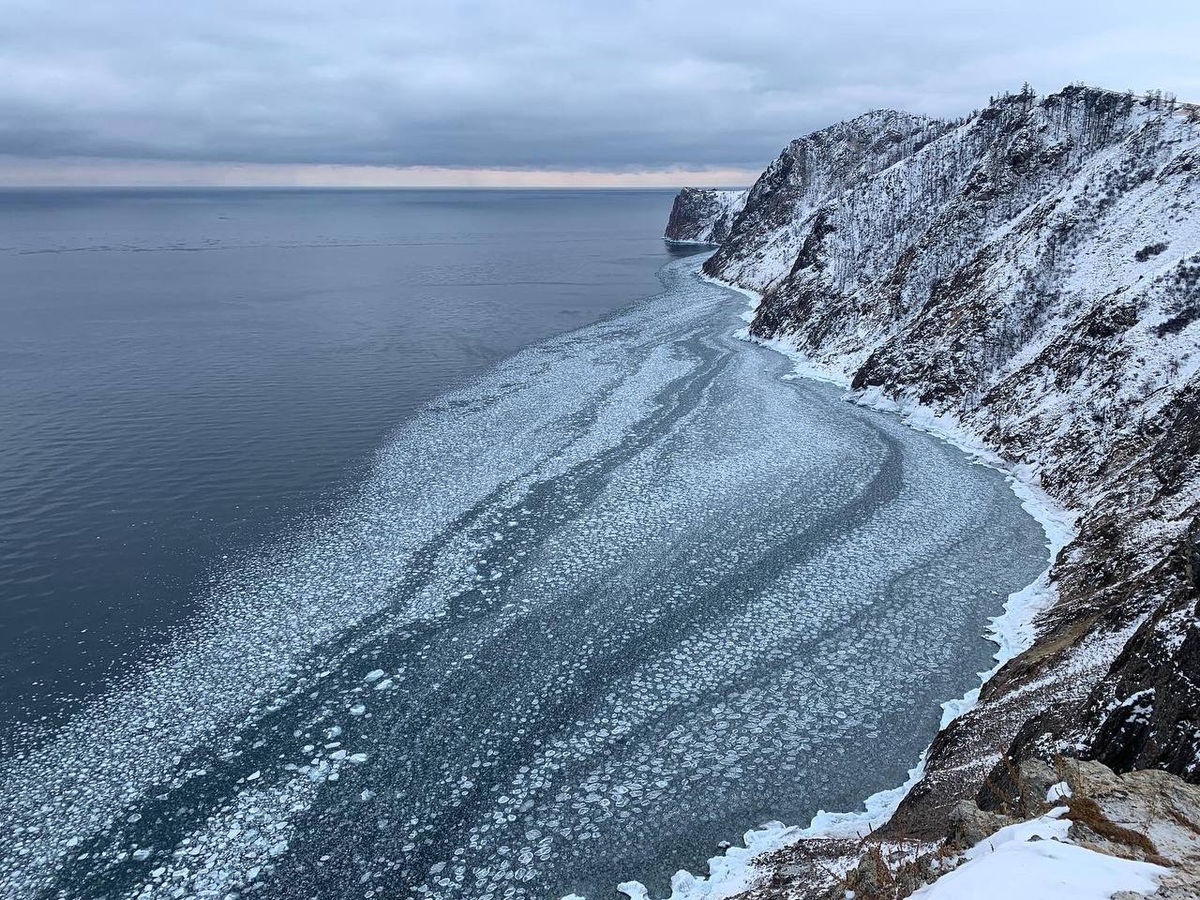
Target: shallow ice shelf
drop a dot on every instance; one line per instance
(626, 597)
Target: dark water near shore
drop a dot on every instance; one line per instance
(436, 616)
(182, 373)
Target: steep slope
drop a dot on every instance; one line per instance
(1031, 274)
(786, 209)
(703, 216)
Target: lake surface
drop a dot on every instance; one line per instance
(184, 373)
(586, 611)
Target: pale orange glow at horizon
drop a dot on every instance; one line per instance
(26, 172)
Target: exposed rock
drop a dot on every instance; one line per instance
(702, 216)
(1191, 549)
(1032, 273)
(1161, 809)
(871, 877)
(969, 824)
(1148, 815)
(1145, 814)
(812, 870)
(1017, 789)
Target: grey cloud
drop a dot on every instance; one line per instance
(625, 85)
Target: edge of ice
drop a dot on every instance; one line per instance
(1012, 631)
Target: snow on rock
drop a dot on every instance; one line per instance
(1024, 282)
(1110, 833)
(1034, 860)
(701, 216)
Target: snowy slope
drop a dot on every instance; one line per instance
(703, 216)
(1036, 860)
(1030, 276)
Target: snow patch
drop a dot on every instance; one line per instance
(1035, 860)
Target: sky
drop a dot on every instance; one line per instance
(524, 92)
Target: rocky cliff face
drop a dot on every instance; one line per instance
(1033, 273)
(703, 216)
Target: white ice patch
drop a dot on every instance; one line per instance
(735, 871)
(633, 518)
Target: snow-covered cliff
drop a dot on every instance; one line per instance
(1032, 275)
(701, 216)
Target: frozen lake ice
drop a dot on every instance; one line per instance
(622, 598)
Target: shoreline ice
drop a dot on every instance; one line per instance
(269, 737)
(1011, 630)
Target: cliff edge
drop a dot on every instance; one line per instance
(702, 216)
(1028, 276)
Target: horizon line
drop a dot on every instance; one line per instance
(356, 187)
(63, 172)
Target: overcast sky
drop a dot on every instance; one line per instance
(524, 91)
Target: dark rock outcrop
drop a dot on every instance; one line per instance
(703, 216)
(1032, 272)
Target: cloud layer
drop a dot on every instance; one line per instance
(618, 86)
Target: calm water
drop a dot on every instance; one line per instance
(182, 372)
(438, 619)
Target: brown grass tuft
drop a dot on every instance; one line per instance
(1086, 812)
